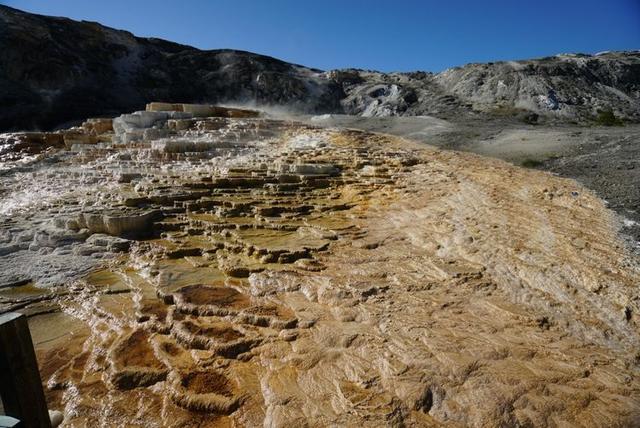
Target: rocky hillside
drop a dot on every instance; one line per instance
(56, 70)
(567, 87)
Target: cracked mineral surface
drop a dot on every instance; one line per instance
(193, 266)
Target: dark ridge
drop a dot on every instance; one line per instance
(56, 71)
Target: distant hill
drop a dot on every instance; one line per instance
(571, 87)
(55, 70)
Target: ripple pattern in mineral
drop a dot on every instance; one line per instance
(201, 266)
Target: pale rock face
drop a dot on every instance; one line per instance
(306, 142)
(182, 146)
(549, 101)
(132, 127)
(154, 133)
(119, 224)
(111, 243)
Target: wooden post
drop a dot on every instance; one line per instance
(20, 384)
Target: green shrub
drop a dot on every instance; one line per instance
(608, 118)
(530, 118)
(505, 111)
(531, 163)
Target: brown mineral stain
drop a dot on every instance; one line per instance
(136, 351)
(207, 383)
(218, 296)
(224, 334)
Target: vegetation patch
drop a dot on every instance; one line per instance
(531, 163)
(608, 118)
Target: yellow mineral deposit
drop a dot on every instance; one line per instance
(270, 273)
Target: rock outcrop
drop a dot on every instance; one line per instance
(570, 87)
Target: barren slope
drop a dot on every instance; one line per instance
(54, 70)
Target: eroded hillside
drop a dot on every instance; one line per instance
(56, 71)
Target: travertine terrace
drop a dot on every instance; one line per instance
(198, 266)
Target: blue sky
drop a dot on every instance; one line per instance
(371, 34)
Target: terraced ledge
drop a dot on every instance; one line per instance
(236, 270)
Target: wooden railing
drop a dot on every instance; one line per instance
(20, 383)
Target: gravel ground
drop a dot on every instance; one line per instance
(608, 161)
